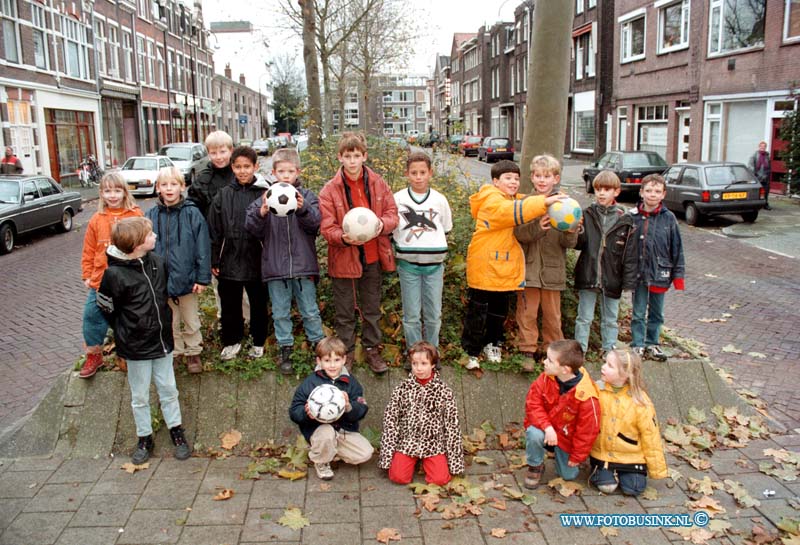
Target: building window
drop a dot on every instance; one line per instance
(632, 38)
(170, 69)
(151, 60)
(127, 55)
(113, 51)
(584, 131)
(791, 26)
(40, 53)
(578, 48)
(76, 52)
(100, 46)
(736, 24)
(652, 129)
(160, 68)
(584, 55)
(673, 26)
(592, 4)
(140, 57)
(141, 8)
(578, 7)
(8, 13)
(713, 126)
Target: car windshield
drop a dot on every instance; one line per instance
(643, 160)
(9, 192)
(140, 163)
(729, 174)
(177, 153)
(260, 143)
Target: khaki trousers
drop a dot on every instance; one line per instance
(528, 303)
(189, 341)
(350, 446)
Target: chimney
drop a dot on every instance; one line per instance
(228, 71)
(241, 79)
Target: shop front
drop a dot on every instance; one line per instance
(120, 126)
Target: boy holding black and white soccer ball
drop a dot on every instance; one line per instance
(339, 438)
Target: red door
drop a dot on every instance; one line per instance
(777, 147)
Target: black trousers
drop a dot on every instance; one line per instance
(230, 297)
(485, 318)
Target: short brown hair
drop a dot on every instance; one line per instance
(418, 157)
(546, 162)
(331, 345)
(656, 179)
(424, 347)
(606, 179)
(568, 353)
(352, 141)
(128, 233)
(286, 155)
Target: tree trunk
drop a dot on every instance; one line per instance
(327, 120)
(548, 84)
(312, 72)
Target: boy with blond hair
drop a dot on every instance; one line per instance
(216, 174)
(356, 267)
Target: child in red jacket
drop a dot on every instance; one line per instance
(562, 413)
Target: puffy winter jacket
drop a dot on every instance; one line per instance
(343, 259)
(575, 415)
(495, 261)
(629, 434)
(659, 248)
(207, 184)
(345, 382)
(184, 243)
(290, 249)
(97, 240)
(133, 297)
(545, 255)
(234, 251)
(608, 262)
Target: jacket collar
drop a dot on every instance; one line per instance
(344, 376)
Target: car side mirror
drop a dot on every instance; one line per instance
(27, 198)
(196, 156)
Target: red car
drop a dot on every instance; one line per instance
(469, 145)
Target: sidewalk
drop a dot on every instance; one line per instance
(93, 501)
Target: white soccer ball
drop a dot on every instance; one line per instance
(282, 199)
(326, 403)
(361, 224)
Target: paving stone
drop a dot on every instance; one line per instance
(10, 508)
(650, 536)
(209, 535)
(50, 463)
(262, 526)
(332, 507)
(58, 497)
(367, 470)
(370, 540)
(499, 462)
(153, 526)
(227, 464)
(516, 517)
(115, 480)
(225, 478)
(80, 470)
(374, 518)
(193, 468)
(217, 411)
(666, 495)
(35, 529)
(464, 531)
(88, 536)
(774, 510)
(206, 511)
(788, 440)
(755, 449)
(168, 494)
(345, 478)
(22, 484)
(273, 492)
(756, 483)
(526, 538)
(612, 503)
(104, 511)
(385, 492)
(554, 532)
(332, 534)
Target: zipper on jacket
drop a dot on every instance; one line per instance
(155, 302)
(289, 234)
(221, 249)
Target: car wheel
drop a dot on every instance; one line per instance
(6, 239)
(66, 222)
(589, 186)
(750, 217)
(692, 214)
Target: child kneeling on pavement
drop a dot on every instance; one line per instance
(133, 297)
(339, 439)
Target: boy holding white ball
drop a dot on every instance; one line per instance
(339, 438)
(289, 264)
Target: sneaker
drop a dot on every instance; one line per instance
(91, 365)
(182, 448)
(286, 360)
(375, 360)
(638, 350)
(473, 363)
(607, 488)
(143, 450)
(324, 471)
(194, 365)
(528, 361)
(533, 476)
(654, 352)
(230, 352)
(492, 353)
(255, 352)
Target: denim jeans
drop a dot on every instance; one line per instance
(609, 310)
(422, 303)
(534, 451)
(304, 292)
(139, 374)
(648, 316)
(632, 484)
(95, 325)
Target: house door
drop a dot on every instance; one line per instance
(776, 148)
(22, 142)
(622, 134)
(684, 124)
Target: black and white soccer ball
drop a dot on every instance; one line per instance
(326, 403)
(361, 224)
(282, 199)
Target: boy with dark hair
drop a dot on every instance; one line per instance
(495, 262)
(356, 267)
(562, 413)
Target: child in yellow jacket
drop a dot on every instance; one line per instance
(495, 262)
(628, 448)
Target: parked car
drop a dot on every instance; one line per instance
(706, 189)
(245, 142)
(433, 139)
(423, 139)
(29, 202)
(469, 145)
(190, 157)
(281, 142)
(453, 143)
(495, 148)
(141, 172)
(630, 166)
(301, 142)
(262, 147)
(400, 142)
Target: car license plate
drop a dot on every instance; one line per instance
(733, 196)
(132, 186)
(501, 149)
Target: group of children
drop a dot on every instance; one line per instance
(144, 276)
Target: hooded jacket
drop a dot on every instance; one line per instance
(608, 260)
(290, 249)
(184, 243)
(659, 248)
(629, 437)
(133, 297)
(207, 184)
(234, 251)
(495, 261)
(574, 415)
(545, 255)
(344, 260)
(97, 240)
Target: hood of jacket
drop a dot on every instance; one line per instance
(476, 200)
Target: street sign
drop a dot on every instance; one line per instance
(243, 119)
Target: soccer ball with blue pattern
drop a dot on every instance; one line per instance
(565, 214)
(326, 403)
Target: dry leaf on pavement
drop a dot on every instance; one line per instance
(565, 488)
(224, 494)
(231, 439)
(698, 536)
(499, 532)
(485, 460)
(704, 486)
(385, 535)
(707, 504)
(291, 475)
(498, 504)
(609, 531)
(650, 494)
(293, 518)
(133, 468)
(430, 501)
(731, 349)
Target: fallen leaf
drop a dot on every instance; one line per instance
(498, 504)
(698, 536)
(731, 349)
(292, 475)
(650, 493)
(423, 488)
(484, 460)
(700, 464)
(385, 535)
(324, 486)
(499, 532)
(739, 492)
(696, 416)
(708, 504)
(758, 355)
(230, 439)
(712, 320)
(430, 501)
(565, 488)
(734, 306)
(293, 518)
(133, 468)
(609, 531)
(709, 275)
(224, 494)
(789, 525)
(453, 510)
(704, 486)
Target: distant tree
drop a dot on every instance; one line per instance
(790, 133)
(288, 95)
(312, 72)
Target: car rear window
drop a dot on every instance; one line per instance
(642, 160)
(729, 174)
(140, 163)
(176, 153)
(499, 142)
(9, 192)
(473, 139)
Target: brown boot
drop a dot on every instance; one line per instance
(121, 364)
(533, 476)
(193, 364)
(528, 361)
(375, 360)
(91, 365)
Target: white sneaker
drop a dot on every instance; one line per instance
(473, 363)
(492, 353)
(229, 352)
(256, 352)
(324, 471)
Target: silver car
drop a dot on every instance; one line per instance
(190, 157)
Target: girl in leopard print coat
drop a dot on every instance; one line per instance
(421, 422)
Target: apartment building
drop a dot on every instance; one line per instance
(473, 61)
(403, 103)
(240, 111)
(442, 98)
(457, 79)
(498, 91)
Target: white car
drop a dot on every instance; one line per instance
(141, 172)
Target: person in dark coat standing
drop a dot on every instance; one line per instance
(760, 165)
(10, 163)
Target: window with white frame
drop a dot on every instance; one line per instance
(127, 55)
(584, 55)
(512, 80)
(578, 7)
(791, 25)
(632, 36)
(179, 85)
(526, 27)
(113, 50)
(712, 132)
(170, 69)
(8, 13)
(524, 76)
(100, 41)
(41, 57)
(583, 121)
(151, 61)
(673, 26)
(735, 25)
(160, 67)
(518, 32)
(590, 56)
(578, 49)
(141, 8)
(76, 50)
(592, 4)
(651, 126)
(141, 54)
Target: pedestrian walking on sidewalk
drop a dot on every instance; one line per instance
(760, 165)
